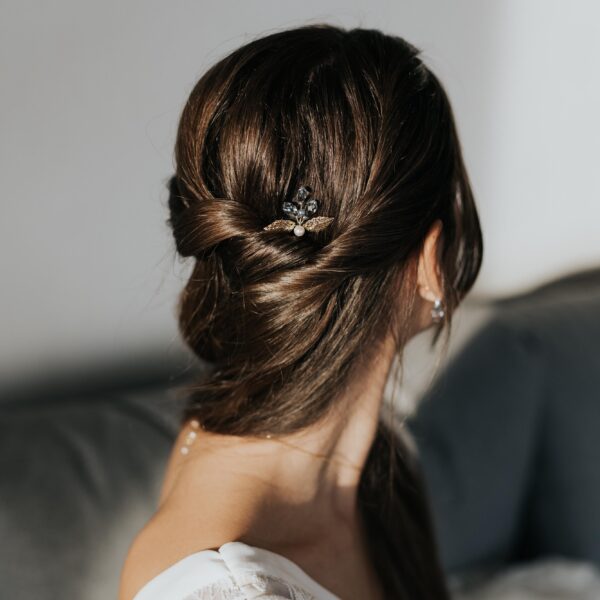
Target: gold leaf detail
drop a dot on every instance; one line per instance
(280, 225)
(317, 223)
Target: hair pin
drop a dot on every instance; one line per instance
(300, 212)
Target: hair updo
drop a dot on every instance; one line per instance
(286, 321)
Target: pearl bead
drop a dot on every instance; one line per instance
(299, 230)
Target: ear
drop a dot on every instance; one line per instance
(429, 281)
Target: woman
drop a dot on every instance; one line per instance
(321, 192)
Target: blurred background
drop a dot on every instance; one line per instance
(91, 96)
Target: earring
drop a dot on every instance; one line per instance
(437, 312)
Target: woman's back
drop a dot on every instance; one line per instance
(172, 559)
(218, 531)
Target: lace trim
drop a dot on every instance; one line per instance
(254, 585)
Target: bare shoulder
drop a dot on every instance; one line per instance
(143, 561)
(151, 550)
(169, 536)
(157, 546)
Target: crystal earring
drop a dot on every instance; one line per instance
(437, 312)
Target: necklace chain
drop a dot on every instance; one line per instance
(195, 424)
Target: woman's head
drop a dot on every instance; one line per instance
(288, 321)
(355, 115)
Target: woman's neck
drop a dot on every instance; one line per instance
(284, 490)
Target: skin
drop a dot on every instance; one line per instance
(295, 495)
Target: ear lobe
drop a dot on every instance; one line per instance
(429, 284)
(426, 293)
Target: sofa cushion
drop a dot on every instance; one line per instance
(78, 478)
(508, 433)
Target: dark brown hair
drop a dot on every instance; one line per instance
(287, 321)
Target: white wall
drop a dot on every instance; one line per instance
(91, 94)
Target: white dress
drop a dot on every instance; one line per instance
(236, 571)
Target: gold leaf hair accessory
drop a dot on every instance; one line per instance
(300, 211)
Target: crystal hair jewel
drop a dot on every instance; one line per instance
(300, 212)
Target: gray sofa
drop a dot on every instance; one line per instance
(508, 437)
